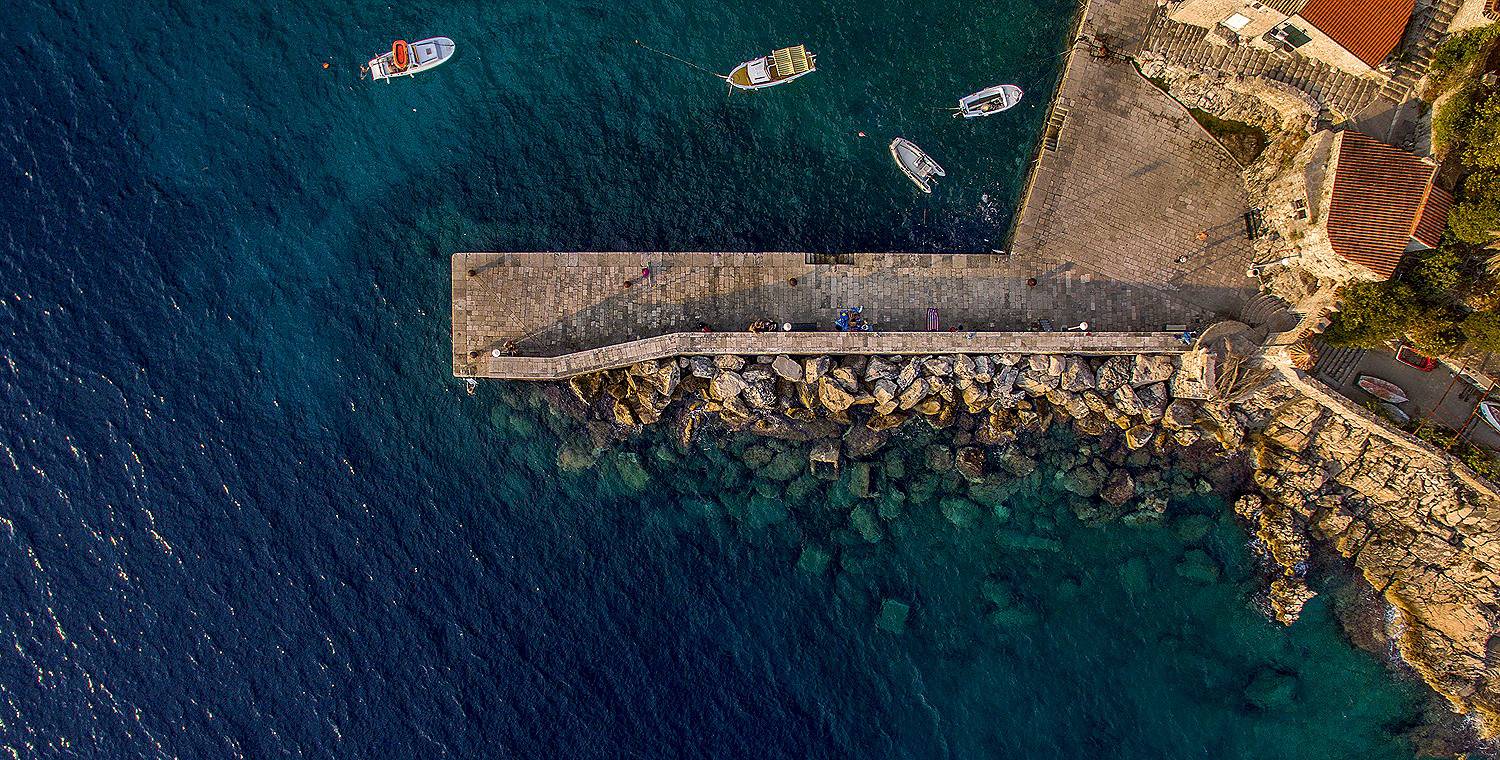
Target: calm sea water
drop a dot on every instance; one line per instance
(248, 512)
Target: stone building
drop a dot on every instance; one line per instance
(1355, 203)
(1357, 36)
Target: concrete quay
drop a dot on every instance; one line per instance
(553, 305)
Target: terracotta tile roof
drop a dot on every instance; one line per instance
(1378, 195)
(1370, 29)
(1433, 218)
(1290, 7)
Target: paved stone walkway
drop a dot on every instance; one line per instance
(1130, 187)
(549, 304)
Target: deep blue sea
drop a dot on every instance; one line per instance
(246, 511)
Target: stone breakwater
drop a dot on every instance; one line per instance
(1412, 526)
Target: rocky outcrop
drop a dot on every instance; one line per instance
(1422, 533)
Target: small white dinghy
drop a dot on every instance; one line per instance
(406, 59)
(918, 166)
(989, 102)
(781, 66)
(1489, 411)
(1384, 390)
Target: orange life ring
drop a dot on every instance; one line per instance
(401, 54)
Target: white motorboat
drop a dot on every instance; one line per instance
(989, 102)
(918, 166)
(781, 66)
(406, 59)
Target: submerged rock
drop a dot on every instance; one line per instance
(813, 560)
(960, 511)
(893, 615)
(1196, 565)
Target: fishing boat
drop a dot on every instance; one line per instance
(407, 58)
(781, 66)
(918, 166)
(1384, 390)
(989, 102)
(1489, 411)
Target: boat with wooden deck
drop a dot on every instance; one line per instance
(781, 66)
(407, 58)
(989, 101)
(918, 166)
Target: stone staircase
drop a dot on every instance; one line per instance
(1429, 24)
(1054, 128)
(1335, 366)
(1188, 46)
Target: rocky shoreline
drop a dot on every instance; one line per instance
(1308, 474)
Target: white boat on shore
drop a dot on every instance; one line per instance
(406, 59)
(989, 102)
(1384, 390)
(918, 166)
(781, 66)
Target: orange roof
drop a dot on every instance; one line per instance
(1433, 218)
(1370, 29)
(1379, 193)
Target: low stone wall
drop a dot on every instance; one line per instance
(818, 344)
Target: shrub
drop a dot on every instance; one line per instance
(1452, 118)
(1482, 329)
(1460, 52)
(1371, 313)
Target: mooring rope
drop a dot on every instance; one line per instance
(681, 60)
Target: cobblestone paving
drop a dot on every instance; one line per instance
(1135, 190)
(550, 304)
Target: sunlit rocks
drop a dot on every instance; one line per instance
(823, 460)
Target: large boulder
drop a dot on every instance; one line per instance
(884, 391)
(909, 374)
(1116, 371)
(1152, 368)
(938, 366)
(1076, 375)
(834, 398)
(862, 441)
(1138, 436)
(880, 369)
(824, 459)
(815, 367)
(729, 362)
(1118, 489)
(970, 463)
(914, 393)
(963, 367)
(1191, 378)
(702, 367)
(984, 369)
(760, 395)
(727, 385)
(788, 369)
(1005, 380)
(1179, 415)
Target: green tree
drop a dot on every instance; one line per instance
(1482, 328)
(1436, 332)
(1435, 275)
(1371, 313)
(1475, 218)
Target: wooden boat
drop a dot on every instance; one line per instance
(989, 101)
(406, 59)
(1489, 411)
(918, 166)
(1384, 390)
(781, 66)
(1395, 413)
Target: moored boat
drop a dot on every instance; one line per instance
(781, 66)
(918, 166)
(1489, 411)
(989, 101)
(407, 58)
(1384, 390)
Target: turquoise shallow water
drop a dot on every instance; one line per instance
(248, 512)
